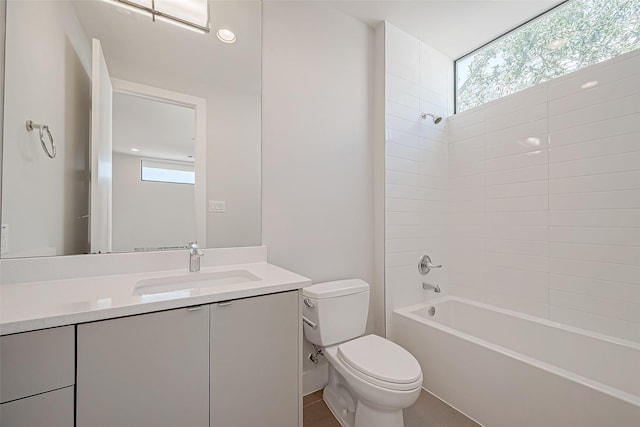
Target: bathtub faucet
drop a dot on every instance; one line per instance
(429, 287)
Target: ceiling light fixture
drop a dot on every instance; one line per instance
(191, 14)
(135, 150)
(225, 35)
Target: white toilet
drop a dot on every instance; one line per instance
(371, 379)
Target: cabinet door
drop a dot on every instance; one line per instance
(255, 361)
(52, 409)
(149, 370)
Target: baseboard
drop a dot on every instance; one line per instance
(315, 379)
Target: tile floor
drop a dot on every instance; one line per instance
(428, 411)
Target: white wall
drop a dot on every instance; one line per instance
(45, 200)
(418, 79)
(545, 200)
(149, 214)
(317, 145)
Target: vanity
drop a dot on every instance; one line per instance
(220, 347)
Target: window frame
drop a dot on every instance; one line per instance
(495, 39)
(153, 163)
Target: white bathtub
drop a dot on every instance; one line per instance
(506, 369)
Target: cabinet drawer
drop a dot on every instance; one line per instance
(52, 409)
(36, 362)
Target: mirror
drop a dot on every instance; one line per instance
(154, 79)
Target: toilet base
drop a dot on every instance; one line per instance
(364, 416)
(351, 412)
(371, 417)
(338, 407)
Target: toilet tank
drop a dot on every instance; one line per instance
(339, 309)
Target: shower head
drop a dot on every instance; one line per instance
(436, 119)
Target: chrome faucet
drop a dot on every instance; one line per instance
(430, 287)
(194, 257)
(425, 265)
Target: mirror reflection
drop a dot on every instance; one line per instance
(156, 129)
(153, 161)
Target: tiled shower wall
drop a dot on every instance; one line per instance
(544, 200)
(417, 79)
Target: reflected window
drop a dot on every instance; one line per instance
(166, 171)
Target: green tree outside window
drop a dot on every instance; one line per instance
(572, 36)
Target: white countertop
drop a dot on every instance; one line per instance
(39, 305)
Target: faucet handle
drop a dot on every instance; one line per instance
(194, 250)
(425, 265)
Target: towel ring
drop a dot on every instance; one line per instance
(42, 129)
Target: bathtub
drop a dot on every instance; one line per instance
(507, 369)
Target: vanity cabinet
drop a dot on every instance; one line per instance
(37, 376)
(150, 370)
(255, 360)
(229, 364)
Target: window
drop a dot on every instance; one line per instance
(574, 35)
(167, 171)
(191, 14)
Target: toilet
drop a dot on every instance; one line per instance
(371, 379)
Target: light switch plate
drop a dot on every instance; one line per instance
(218, 206)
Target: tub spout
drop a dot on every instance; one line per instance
(430, 287)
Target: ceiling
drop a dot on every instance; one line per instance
(157, 129)
(454, 27)
(133, 44)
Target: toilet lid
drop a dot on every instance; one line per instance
(381, 360)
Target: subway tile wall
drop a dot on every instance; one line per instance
(417, 79)
(544, 200)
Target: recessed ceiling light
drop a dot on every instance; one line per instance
(226, 35)
(135, 150)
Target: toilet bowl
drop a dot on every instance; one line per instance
(382, 377)
(371, 379)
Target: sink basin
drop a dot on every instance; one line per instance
(192, 281)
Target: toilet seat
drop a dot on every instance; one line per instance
(381, 362)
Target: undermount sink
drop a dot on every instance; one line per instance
(192, 281)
